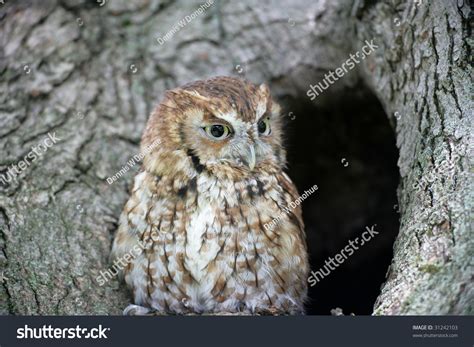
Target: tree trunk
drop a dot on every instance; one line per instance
(422, 76)
(90, 75)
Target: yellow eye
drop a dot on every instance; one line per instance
(217, 131)
(264, 126)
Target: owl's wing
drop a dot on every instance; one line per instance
(127, 242)
(125, 246)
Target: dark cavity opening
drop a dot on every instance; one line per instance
(347, 148)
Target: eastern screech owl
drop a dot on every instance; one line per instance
(200, 204)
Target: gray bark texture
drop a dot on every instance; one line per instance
(91, 75)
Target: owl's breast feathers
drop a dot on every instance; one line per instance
(210, 244)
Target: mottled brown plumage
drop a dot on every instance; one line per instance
(201, 205)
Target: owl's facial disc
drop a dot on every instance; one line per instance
(220, 132)
(221, 138)
(231, 129)
(229, 141)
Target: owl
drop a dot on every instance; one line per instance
(207, 228)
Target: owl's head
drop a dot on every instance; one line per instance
(224, 125)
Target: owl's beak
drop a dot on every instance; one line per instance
(250, 156)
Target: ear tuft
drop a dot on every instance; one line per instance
(264, 90)
(194, 94)
(276, 109)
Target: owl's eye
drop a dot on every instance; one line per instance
(217, 131)
(264, 126)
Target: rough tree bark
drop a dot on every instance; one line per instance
(91, 74)
(421, 73)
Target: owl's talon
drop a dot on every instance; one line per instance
(136, 310)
